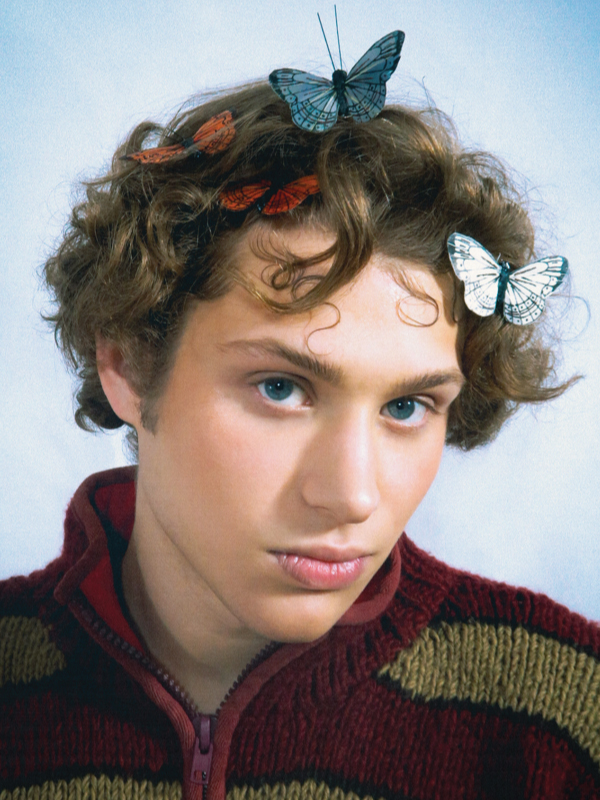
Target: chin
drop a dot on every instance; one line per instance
(299, 626)
(301, 635)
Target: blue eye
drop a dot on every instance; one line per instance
(405, 408)
(278, 388)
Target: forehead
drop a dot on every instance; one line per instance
(267, 244)
(372, 325)
(420, 296)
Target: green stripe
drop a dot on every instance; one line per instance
(94, 787)
(26, 652)
(307, 790)
(510, 668)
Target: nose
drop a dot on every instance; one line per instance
(340, 470)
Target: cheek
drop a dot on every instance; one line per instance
(411, 473)
(221, 453)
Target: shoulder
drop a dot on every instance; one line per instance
(485, 639)
(29, 616)
(453, 599)
(500, 652)
(507, 645)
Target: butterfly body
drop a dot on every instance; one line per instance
(316, 102)
(339, 84)
(502, 286)
(491, 286)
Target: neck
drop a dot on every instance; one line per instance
(183, 625)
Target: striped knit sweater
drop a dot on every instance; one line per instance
(436, 684)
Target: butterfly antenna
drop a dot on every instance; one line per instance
(326, 42)
(337, 30)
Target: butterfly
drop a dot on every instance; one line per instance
(212, 137)
(316, 102)
(269, 197)
(492, 287)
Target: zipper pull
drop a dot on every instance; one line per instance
(203, 750)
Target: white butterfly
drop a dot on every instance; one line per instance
(315, 102)
(492, 287)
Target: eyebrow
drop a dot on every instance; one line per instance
(335, 375)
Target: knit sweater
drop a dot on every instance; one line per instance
(435, 684)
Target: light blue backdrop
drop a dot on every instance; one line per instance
(520, 78)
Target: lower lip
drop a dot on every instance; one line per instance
(316, 574)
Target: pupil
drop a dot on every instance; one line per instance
(402, 408)
(278, 388)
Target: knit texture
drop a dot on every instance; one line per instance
(460, 688)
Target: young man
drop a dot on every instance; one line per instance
(274, 315)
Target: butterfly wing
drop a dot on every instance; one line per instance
(216, 134)
(479, 271)
(365, 84)
(156, 155)
(239, 198)
(529, 286)
(291, 195)
(312, 99)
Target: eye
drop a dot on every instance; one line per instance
(407, 409)
(279, 390)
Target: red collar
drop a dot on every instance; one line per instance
(108, 498)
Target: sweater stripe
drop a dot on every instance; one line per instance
(95, 787)
(510, 668)
(296, 790)
(26, 652)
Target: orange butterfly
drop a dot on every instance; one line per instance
(212, 137)
(269, 197)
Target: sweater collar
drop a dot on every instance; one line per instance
(98, 526)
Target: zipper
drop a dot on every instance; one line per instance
(103, 631)
(203, 744)
(203, 752)
(203, 725)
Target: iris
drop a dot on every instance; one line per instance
(278, 388)
(402, 408)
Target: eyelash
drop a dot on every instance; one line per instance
(426, 407)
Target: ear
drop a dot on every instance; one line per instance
(112, 370)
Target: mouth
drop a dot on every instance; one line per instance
(322, 569)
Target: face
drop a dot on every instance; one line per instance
(289, 451)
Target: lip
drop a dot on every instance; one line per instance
(323, 568)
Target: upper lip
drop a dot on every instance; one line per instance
(324, 553)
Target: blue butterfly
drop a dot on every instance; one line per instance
(492, 287)
(316, 102)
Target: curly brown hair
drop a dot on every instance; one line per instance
(147, 238)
